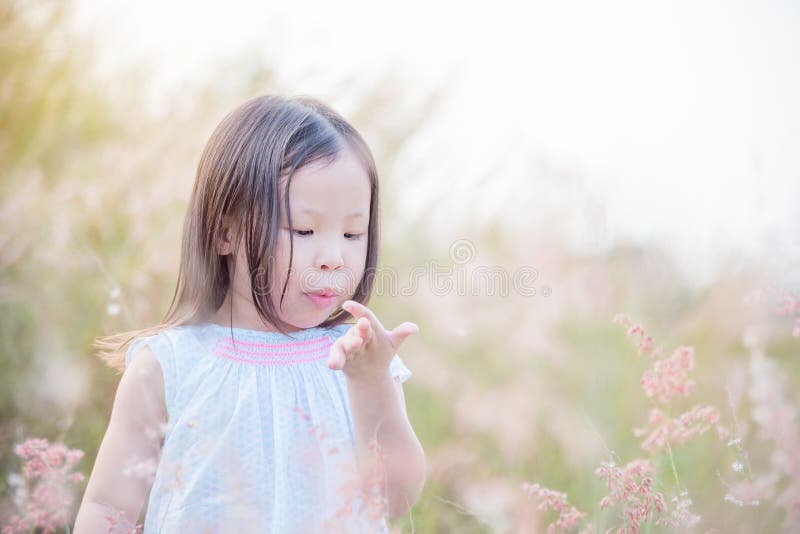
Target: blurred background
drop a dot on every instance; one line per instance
(630, 158)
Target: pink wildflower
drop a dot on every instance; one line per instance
(631, 487)
(646, 344)
(669, 377)
(362, 494)
(369, 489)
(119, 519)
(663, 433)
(790, 305)
(680, 518)
(568, 516)
(47, 498)
(775, 417)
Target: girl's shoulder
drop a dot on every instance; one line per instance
(166, 343)
(176, 349)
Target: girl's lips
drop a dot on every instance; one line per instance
(321, 301)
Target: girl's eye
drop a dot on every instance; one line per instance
(306, 233)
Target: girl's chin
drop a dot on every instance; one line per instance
(312, 318)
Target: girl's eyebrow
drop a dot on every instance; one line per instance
(352, 215)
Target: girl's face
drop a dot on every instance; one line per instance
(330, 218)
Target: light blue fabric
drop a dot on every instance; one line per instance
(260, 436)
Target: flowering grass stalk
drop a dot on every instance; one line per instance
(362, 494)
(45, 497)
(790, 305)
(631, 486)
(547, 499)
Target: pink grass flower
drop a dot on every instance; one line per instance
(664, 433)
(681, 518)
(47, 497)
(669, 377)
(646, 345)
(789, 304)
(118, 520)
(775, 417)
(568, 516)
(363, 494)
(632, 488)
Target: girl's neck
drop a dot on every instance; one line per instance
(237, 313)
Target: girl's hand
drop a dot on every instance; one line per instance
(366, 350)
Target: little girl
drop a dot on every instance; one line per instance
(253, 406)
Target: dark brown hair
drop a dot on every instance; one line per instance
(244, 172)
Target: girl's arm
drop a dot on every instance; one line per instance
(134, 437)
(379, 410)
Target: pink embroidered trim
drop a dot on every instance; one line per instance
(314, 350)
(286, 345)
(270, 361)
(271, 353)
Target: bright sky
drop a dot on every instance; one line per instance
(683, 118)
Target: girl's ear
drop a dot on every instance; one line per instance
(225, 237)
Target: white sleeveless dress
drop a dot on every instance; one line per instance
(260, 435)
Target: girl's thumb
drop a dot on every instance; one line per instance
(401, 332)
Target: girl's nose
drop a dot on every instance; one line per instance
(330, 258)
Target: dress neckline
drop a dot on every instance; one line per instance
(313, 332)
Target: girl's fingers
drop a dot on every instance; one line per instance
(364, 329)
(358, 310)
(401, 332)
(337, 356)
(351, 343)
(341, 349)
